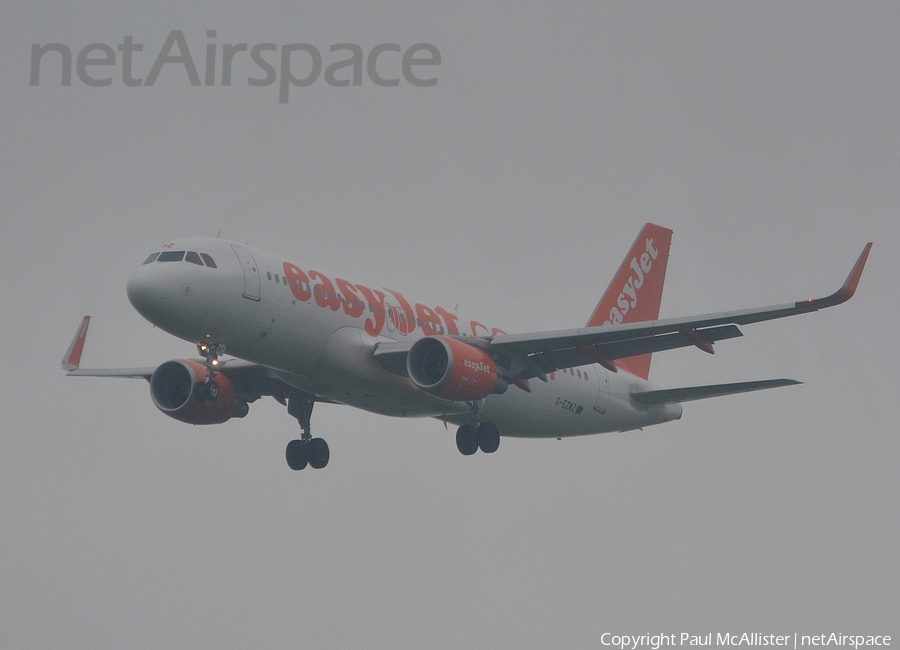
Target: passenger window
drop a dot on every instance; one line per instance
(269, 275)
(170, 256)
(208, 260)
(284, 280)
(151, 258)
(193, 258)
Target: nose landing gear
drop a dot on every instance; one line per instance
(209, 389)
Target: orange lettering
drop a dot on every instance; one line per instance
(409, 324)
(475, 326)
(449, 319)
(375, 323)
(430, 320)
(352, 305)
(296, 280)
(324, 292)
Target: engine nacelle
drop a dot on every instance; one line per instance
(174, 390)
(450, 369)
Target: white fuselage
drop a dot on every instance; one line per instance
(317, 332)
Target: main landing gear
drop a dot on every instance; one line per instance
(484, 436)
(481, 435)
(308, 450)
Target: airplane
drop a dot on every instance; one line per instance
(301, 336)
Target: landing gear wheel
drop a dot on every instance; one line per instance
(466, 440)
(200, 391)
(488, 438)
(317, 452)
(296, 454)
(212, 391)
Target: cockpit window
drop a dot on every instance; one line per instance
(208, 260)
(193, 258)
(170, 256)
(151, 258)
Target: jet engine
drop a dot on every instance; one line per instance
(451, 369)
(179, 390)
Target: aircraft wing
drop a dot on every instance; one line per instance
(545, 352)
(251, 379)
(538, 354)
(130, 373)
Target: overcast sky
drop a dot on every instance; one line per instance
(766, 135)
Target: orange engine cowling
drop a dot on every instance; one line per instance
(450, 369)
(174, 389)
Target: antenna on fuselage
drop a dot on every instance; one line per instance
(219, 234)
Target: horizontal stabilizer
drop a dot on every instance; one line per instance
(676, 395)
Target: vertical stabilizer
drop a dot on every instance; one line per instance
(635, 293)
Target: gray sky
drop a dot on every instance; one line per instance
(765, 135)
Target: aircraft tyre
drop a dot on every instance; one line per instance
(212, 391)
(467, 440)
(296, 454)
(317, 453)
(488, 438)
(200, 391)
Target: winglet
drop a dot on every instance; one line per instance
(845, 292)
(73, 355)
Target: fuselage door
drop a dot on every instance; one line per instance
(251, 272)
(603, 389)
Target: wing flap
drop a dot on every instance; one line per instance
(571, 357)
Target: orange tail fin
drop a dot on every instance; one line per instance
(635, 293)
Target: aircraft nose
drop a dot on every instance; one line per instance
(146, 292)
